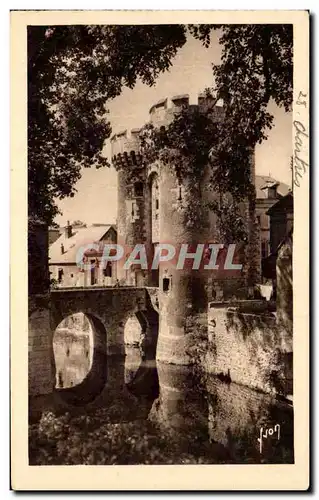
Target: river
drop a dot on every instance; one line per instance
(152, 413)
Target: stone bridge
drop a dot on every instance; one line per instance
(108, 310)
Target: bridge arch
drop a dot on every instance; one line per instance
(140, 368)
(141, 330)
(95, 378)
(108, 310)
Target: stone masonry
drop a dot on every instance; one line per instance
(154, 204)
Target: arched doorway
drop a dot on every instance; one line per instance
(79, 347)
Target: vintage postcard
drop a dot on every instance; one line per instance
(159, 250)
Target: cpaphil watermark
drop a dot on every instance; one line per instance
(210, 256)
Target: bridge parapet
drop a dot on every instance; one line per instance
(103, 303)
(111, 306)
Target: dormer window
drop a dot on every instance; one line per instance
(272, 192)
(270, 189)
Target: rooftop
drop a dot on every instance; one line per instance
(80, 237)
(264, 181)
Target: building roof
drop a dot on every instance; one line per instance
(263, 181)
(81, 236)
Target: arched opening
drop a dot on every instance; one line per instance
(140, 337)
(154, 210)
(79, 347)
(134, 331)
(73, 350)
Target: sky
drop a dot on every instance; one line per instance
(190, 73)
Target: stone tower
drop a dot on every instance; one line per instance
(132, 180)
(155, 206)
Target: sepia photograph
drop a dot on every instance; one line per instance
(163, 162)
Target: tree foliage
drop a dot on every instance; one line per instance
(256, 68)
(72, 72)
(186, 145)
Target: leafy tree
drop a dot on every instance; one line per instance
(256, 67)
(78, 223)
(72, 72)
(186, 144)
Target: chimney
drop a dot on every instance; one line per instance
(62, 248)
(68, 230)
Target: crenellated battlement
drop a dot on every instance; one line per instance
(125, 145)
(163, 112)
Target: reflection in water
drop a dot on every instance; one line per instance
(238, 415)
(140, 374)
(133, 360)
(73, 350)
(181, 409)
(210, 418)
(179, 414)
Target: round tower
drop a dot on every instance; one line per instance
(185, 224)
(185, 287)
(156, 206)
(131, 202)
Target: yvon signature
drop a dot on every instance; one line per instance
(265, 433)
(301, 136)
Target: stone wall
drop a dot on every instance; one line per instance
(41, 371)
(236, 417)
(206, 411)
(249, 346)
(284, 286)
(40, 358)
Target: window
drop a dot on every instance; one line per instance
(166, 284)
(272, 192)
(138, 189)
(107, 271)
(60, 275)
(93, 280)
